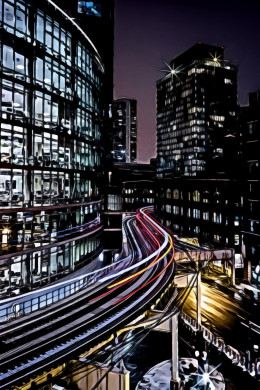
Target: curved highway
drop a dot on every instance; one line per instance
(108, 299)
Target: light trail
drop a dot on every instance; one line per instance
(146, 268)
(131, 277)
(150, 281)
(159, 250)
(143, 270)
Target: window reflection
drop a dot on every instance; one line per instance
(49, 119)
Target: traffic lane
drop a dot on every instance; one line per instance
(224, 315)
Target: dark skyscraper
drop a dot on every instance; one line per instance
(196, 135)
(196, 109)
(124, 130)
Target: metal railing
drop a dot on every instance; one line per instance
(238, 358)
(14, 307)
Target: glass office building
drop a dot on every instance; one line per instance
(51, 121)
(196, 109)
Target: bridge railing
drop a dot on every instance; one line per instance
(238, 358)
(32, 301)
(18, 306)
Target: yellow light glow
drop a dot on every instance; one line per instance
(216, 59)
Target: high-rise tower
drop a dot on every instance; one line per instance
(196, 109)
(124, 130)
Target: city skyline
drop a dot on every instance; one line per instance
(148, 33)
(99, 252)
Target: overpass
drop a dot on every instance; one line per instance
(43, 328)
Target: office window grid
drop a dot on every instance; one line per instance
(50, 129)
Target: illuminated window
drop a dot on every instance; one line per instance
(197, 229)
(217, 217)
(196, 196)
(236, 221)
(168, 208)
(191, 71)
(236, 239)
(114, 202)
(196, 213)
(175, 210)
(206, 215)
(217, 237)
(168, 193)
(217, 118)
(176, 194)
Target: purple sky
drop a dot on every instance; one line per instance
(147, 31)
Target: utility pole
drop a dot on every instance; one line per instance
(175, 379)
(233, 267)
(198, 295)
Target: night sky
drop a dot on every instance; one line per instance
(148, 31)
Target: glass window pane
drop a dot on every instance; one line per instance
(9, 14)
(40, 29)
(8, 57)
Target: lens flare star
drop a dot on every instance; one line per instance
(215, 59)
(171, 71)
(206, 377)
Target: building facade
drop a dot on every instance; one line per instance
(251, 189)
(196, 109)
(199, 182)
(124, 130)
(51, 124)
(209, 209)
(96, 18)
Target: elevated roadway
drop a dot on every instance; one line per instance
(59, 322)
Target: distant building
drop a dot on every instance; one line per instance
(209, 209)
(124, 130)
(128, 187)
(196, 109)
(251, 189)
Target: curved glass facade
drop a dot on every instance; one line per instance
(51, 123)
